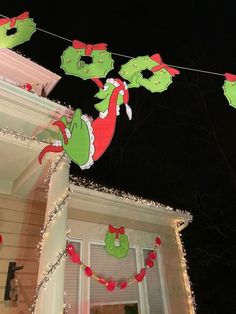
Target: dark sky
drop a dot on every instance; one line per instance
(179, 148)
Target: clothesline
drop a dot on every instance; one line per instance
(126, 56)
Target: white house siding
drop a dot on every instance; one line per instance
(20, 224)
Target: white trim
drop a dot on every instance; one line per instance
(80, 241)
(87, 310)
(145, 290)
(116, 303)
(94, 201)
(164, 292)
(144, 309)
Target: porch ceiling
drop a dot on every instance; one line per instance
(20, 172)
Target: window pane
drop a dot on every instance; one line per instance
(72, 277)
(109, 267)
(154, 287)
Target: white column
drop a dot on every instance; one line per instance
(51, 297)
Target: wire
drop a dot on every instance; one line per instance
(126, 56)
(55, 35)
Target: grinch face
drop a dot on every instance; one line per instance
(105, 93)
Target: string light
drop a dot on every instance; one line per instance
(47, 276)
(187, 282)
(82, 182)
(57, 208)
(18, 136)
(53, 168)
(51, 215)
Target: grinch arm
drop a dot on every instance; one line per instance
(47, 149)
(62, 127)
(103, 129)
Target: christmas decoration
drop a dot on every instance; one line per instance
(16, 30)
(26, 86)
(18, 136)
(51, 216)
(158, 241)
(229, 88)
(187, 283)
(73, 63)
(116, 234)
(127, 196)
(161, 73)
(47, 276)
(85, 140)
(109, 284)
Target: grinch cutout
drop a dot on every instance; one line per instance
(116, 242)
(84, 140)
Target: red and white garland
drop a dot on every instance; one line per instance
(111, 284)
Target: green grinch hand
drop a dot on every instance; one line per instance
(83, 139)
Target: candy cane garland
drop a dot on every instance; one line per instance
(111, 284)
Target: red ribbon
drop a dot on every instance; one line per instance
(13, 20)
(117, 231)
(230, 77)
(88, 48)
(161, 65)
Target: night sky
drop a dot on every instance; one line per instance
(179, 148)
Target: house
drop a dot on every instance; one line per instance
(45, 197)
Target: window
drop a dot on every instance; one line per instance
(110, 267)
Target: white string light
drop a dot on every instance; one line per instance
(47, 276)
(21, 137)
(53, 168)
(188, 286)
(95, 186)
(51, 216)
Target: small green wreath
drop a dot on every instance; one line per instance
(24, 28)
(112, 235)
(72, 64)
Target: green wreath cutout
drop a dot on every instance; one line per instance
(112, 235)
(101, 64)
(24, 28)
(160, 79)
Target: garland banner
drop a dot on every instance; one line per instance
(111, 284)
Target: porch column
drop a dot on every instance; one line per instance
(51, 295)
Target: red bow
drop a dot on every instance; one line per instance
(88, 48)
(230, 77)
(117, 231)
(161, 65)
(13, 20)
